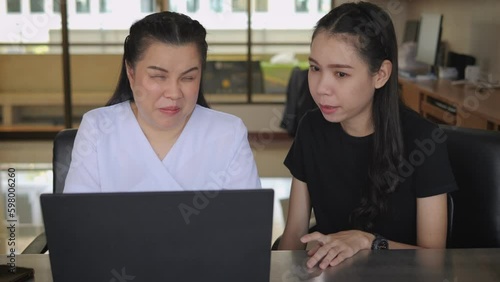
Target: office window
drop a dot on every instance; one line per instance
(216, 6)
(13, 6)
(36, 6)
(56, 6)
(192, 6)
(83, 6)
(104, 6)
(301, 6)
(147, 6)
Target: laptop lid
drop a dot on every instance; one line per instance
(160, 236)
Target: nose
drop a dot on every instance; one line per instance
(172, 90)
(322, 84)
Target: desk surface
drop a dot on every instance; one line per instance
(396, 265)
(483, 102)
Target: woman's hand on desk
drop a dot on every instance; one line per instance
(332, 249)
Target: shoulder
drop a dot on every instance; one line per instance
(414, 126)
(216, 120)
(310, 118)
(110, 113)
(95, 123)
(313, 124)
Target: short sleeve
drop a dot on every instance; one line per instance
(242, 170)
(429, 158)
(83, 174)
(294, 160)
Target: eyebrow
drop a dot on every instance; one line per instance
(164, 70)
(332, 65)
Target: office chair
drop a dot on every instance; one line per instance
(63, 146)
(475, 160)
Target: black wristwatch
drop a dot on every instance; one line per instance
(379, 243)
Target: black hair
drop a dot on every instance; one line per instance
(166, 27)
(370, 30)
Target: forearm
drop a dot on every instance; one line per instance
(289, 241)
(401, 246)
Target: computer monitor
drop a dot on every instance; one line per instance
(429, 38)
(411, 31)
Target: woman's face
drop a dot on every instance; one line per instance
(340, 82)
(165, 83)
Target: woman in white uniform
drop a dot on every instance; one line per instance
(156, 132)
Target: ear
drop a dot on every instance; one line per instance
(383, 74)
(130, 72)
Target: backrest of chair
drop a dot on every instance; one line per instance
(63, 146)
(475, 160)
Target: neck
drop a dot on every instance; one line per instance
(359, 126)
(154, 134)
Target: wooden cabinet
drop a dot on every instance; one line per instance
(458, 105)
(411, 96)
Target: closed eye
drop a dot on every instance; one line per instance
(188, 78)
(158, 76)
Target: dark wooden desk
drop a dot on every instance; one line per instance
(398, 265)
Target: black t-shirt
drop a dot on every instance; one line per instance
(335, 167)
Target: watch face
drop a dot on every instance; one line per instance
(380, 243)
(383, 244)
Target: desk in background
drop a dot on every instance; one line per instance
(457, 105)
(396, 265)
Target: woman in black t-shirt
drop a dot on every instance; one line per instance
(375, 172)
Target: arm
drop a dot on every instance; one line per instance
(83, 174)
(432, 224)
(334, 248)
(299, 213)
(242, 170)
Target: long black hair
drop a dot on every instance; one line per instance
(373, 36)
(166, 27)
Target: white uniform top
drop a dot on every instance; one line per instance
(112, 154)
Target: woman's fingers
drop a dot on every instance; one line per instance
(330, 256)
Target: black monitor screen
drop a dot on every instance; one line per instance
(428, 38)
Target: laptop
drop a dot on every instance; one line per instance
(160, 236)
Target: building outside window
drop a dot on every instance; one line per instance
(324, 6)
(147, 6)
(56, 8)
(13, 6)
(279, 40)
(301, 6)
(216, 6)
(37, 6)
(260, 5)
(239, 5)
(105, 6)
(83, 6)
(257, 5)
(192, 6)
